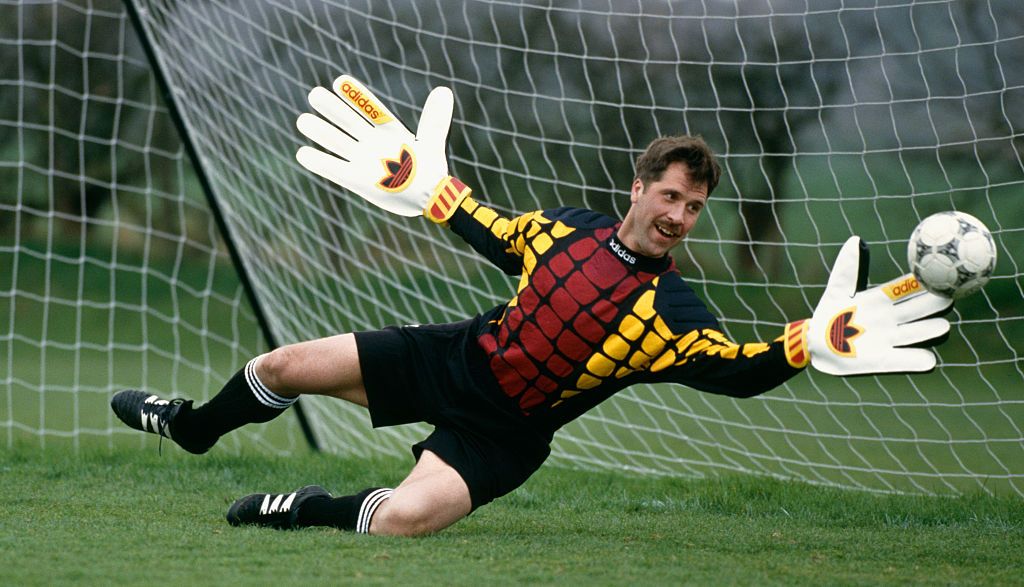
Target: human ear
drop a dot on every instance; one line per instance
(637, 189)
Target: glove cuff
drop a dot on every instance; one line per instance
(445, 200)
(795, 343)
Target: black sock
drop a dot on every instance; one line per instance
(243, 400)
(352, 512)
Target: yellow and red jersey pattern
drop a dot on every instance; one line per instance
(591, 317)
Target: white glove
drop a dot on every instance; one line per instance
(858, 332)
(372, 154)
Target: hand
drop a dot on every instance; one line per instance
(858, 331)
(372, 154)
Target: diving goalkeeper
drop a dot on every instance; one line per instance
(600, 306)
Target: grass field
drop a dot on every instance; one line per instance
(86, 501)
(134, 517)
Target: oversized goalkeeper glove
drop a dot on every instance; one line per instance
(858, 331)
(372, 154)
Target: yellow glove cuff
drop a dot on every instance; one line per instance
(795, 341)
(445, 200)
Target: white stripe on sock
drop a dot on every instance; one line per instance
(370, 505)
(264, 395)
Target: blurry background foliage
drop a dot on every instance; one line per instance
(807, 111)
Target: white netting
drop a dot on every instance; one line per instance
(831, 118)
(112, 274)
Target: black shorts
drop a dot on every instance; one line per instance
(439, 375)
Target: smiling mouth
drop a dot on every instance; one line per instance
(667, 232)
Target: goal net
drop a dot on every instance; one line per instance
(112, 272)
(831, 118)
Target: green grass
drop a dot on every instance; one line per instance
(124, 515)
(132, 517)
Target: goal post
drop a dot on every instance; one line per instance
(224, 229)
(831, 119)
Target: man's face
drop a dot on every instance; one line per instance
(663, 212)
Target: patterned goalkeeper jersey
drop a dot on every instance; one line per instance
(591, 317)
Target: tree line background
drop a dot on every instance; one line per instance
(940, 80)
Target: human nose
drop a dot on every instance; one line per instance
(677, 213)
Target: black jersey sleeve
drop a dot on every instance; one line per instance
(715, 364)
(502, 241)
(701, 356)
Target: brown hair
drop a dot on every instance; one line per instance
(690, 150)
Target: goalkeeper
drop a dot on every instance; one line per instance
(600, 306)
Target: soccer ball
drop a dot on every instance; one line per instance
(951, 254)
